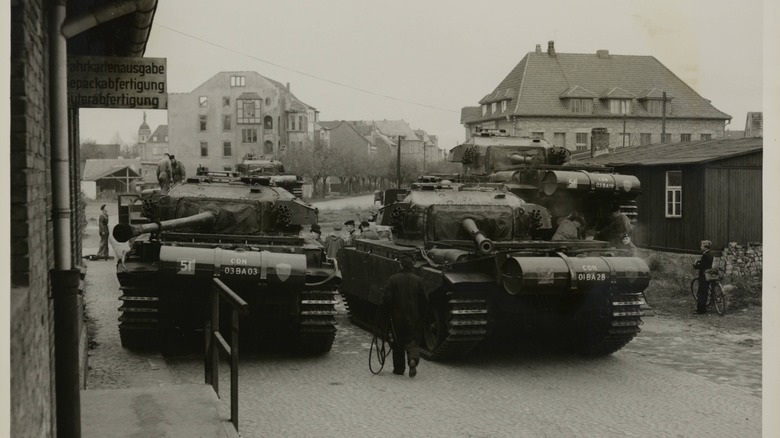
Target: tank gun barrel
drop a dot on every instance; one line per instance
(124, 232)
(484, 245)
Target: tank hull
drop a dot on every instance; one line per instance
(592, 302)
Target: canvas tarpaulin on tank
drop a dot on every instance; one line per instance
(232, 216)
(502, 157)
(495, 221)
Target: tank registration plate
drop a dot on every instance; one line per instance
(591, 276)
(187, 267)
(240, 270)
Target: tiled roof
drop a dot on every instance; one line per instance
(329, 124)
(679, 153)
(96, 169)
(391, 128)
(160, 133)
(538, 81)
(470, 113)
(577, 92)
(617, 93)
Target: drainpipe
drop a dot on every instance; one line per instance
(64, 279)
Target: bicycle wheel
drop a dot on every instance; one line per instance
(719, 297)
(695, 289)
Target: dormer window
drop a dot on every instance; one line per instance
(493, 108)
(620, 106)
(581, 106)
(484, 109)
(503, 106)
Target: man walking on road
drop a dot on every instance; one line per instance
(103, 231)
(404, 293)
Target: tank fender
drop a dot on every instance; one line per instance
(259, 267)
(561, 273)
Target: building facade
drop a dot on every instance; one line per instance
(234, 114)
(566, 98)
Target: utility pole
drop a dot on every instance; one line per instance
(624, 129)
(663, 119)
(425, 171)
(398, 164)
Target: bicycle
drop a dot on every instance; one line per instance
(715, 294)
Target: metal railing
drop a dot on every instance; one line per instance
(215, 343)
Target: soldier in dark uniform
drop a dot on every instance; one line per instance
(704, 263)
(404, 294)
(103, 231)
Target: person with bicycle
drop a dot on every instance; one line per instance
(703, 264)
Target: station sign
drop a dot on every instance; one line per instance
(117, 82)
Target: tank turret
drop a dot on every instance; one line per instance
(243, 229)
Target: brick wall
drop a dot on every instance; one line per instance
(32, 322)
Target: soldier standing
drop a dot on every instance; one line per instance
(103, 231)
(178, 171)
(164, 173)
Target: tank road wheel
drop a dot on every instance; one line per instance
(317, 322)
(610, 326)
(139, 324)
(453, 325)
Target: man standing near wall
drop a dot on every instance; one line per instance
(103, 231)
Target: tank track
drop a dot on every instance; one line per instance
(624, 319)
(466, 319)
(139, 324)
(317, 322)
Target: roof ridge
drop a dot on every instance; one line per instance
(522, 81)
(689, 87)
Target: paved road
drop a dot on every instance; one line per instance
(677, 378)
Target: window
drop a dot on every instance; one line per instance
(154, 138)
(248, 111)
(706, 136)
(202, 119)
(685, 137)
(484, 109)
(493, 108)
(268, 122)
(249, 135)
(227, 168)
(624, 140)
(226, 122)
(537, 134)
(674, 194)
(226, 101)
(156, 151)
(559, 139)
(203, 101)
(584, 106)
(654, 106)
(581, 141)
(226, 149)
(237, 81)
(644, 138)
(620, 106)
(292, 123)
(267, 101)
(204, 149)
(300, 123)
(503, 105)
(667, 138)
(268, 147)
(166, 138)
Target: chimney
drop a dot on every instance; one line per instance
(604, 54)
(551, 48)
(538, 49)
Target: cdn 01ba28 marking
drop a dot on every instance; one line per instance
(591, 276)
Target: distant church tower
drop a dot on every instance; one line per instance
(144, 132)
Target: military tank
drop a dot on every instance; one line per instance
(253, 165)
(243, 231)
(490, 271)
(541, 173)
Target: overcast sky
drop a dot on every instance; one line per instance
(423, 60)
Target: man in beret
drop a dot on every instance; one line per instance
(404, 294)
(316, 234)
(349, 239)
(366, 232)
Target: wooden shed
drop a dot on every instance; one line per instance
(695, 191)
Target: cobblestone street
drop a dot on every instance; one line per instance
(677, 378)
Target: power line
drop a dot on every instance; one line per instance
(237, 52)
